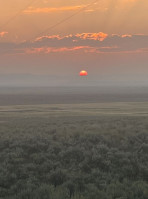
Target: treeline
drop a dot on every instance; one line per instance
(79, 165)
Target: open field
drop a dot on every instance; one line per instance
(86, 109)
(77, 117)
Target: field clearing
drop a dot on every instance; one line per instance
(34, 120)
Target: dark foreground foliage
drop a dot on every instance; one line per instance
(100, 158)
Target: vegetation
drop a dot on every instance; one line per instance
(77, 152)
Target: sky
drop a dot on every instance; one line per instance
(47, 42)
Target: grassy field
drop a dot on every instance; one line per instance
(86, 109)
(91, 117)
(73, 116)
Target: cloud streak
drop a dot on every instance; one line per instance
(84, 42)
(32, 10)
(121, 4)
(46, 50)
(2, 34)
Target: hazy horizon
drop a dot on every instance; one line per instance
(36, 80)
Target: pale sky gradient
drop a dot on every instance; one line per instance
(108, 38)
(110, 16)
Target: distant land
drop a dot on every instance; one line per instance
(71, 95)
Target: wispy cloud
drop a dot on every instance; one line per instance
(93, 36)
(84, 36)
(84, 42)
(2, 34)
(47, 50)
(32, 10)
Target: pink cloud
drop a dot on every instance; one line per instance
(127, 35)
(32, 10)
(2, 34)
(83, 42)
(93, 36)
(100, 36)
(56, 50)
(49, 37)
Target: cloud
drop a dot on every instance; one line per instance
(32, 10)
(84, 42)
(47, 50)
(90, 36)
(93, 36)
(98, 6)
(2, 34)
(102, 42)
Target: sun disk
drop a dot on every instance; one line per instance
(83, 73)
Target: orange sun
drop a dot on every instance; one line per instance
(83, 73)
